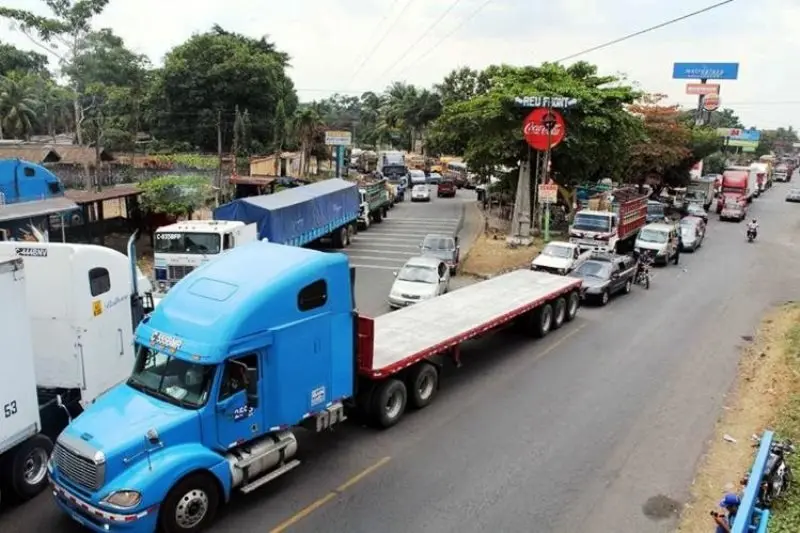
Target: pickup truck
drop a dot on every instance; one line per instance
(243, 351)
(559, 258)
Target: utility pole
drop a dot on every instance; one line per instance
(218, 183)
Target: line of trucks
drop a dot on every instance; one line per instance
(242, 355)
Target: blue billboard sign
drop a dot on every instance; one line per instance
(705, 71)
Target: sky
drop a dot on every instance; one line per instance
(351, 46)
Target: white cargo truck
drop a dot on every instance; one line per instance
(81, 303)
(183, 246)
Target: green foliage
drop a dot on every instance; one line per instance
(12, 58)
(715, 163)
(192, 161)
(208, 76)
(481, 120)
(175, 195)
(786, 514)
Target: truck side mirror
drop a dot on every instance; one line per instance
(252, 387)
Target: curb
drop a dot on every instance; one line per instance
(478, 231)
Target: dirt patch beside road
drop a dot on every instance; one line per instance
(490, 255)
(765, 396)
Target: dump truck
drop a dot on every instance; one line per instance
(611, 222)
(236, 358)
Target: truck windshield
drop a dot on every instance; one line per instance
(171, 379)
(587, 222)
(394, 171)
(187, 243)
(652, 235)
(655, 209)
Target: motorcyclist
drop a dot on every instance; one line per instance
(753, 226)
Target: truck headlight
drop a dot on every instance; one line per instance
(124, 499)
(162, 286)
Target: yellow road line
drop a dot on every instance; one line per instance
(306, 511)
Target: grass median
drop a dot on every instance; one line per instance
(766, 396)
(490, 255)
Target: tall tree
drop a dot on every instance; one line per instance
(12, 58)
(61, 34)
(18, 105)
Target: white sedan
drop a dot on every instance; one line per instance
(420, 193)
(421, 278)
(559, 258)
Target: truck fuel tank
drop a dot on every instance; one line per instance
(252, 463)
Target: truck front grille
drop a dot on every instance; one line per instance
(178, 272)
(82, 471)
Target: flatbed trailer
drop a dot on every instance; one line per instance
(401, 347)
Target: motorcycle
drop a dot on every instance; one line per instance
(751, 234)
(778, 475)
(643, 270)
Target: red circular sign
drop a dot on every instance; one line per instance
(711, 102)
(536, 132)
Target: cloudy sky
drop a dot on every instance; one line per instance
(402, 40)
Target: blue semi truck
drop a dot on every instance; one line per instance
(249, 347)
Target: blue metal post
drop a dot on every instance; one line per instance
(744, 518)
(339, 161)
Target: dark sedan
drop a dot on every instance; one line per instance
(442, 247)
(606, 275)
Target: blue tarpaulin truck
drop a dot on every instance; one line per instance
(246, 349)
(301, 215)
(297, 217)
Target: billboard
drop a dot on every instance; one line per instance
(746, 139)
(705, 71)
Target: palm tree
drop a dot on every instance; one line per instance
(307, 122)
(17, 105)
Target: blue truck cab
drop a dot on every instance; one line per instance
(23, 181)
(241, 351)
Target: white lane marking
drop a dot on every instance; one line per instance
(377, 267)
(389, 239)
(406, 232)
(406, 220)
(352, 251)
(374, 258)
(411, 247)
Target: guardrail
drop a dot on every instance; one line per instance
(751, 518)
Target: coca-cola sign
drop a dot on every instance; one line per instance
(543, 125)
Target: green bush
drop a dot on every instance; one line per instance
(175, 195)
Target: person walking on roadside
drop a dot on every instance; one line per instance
(725, 521)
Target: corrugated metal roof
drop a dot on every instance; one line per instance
(36, 208)
(34, 153)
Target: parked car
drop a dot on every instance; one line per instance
(420, 193)
(446, 188)
(442, 247)
(421, 278)
(434, 178)
(693, 231)
(559, 257)
(417, 177)
(661, 238)
(793, 195)
(697, 210)
(604, 275)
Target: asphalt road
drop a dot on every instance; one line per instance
(579, 432)
(384, 248)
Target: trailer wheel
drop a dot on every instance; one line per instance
(389, 403)
(422, 384)
(27, 467)
(340, 238)
(542, 320)
(559, 312)
(352, 229)
(191, 504)
(378, 216)
(385, 212)
(573, 302)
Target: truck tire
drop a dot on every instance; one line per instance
(422, 384)
(378, 216)
(27, 467)
(559, 312)
(191, 504)
(385, 212)
(573, 302)
(542, 321)
(389, 403)
(340, 238)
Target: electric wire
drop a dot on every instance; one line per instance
(452, 6)
(383, 38)
(448, 35)
(642, 32)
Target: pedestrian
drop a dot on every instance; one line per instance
(678, 245)
(724, 522)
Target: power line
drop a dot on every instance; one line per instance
(383, 38)
(414, 43)
(641, 32)
(448, 35)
